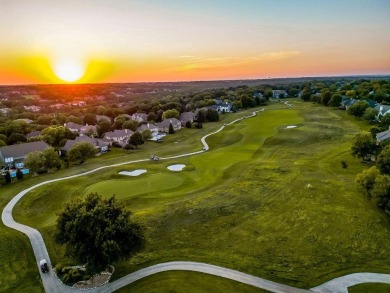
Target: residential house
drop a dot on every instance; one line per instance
(103, 117)
(164, 125)
(57, 106)
(224, 107)
(382, 110)
(276, 94)
(187, 116)
(256, 94)
(139, 117)
(345, 104)
(33, 134)
(74, 127)
(147, 126)
(100, 144)
(88, 130)
(32, 108)
(5, 111)
(28, 121)
(382, 136)
(119, 135)
(13, 154)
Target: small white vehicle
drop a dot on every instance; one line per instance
(43, 265)
(154, 158)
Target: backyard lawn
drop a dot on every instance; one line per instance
(266, 200)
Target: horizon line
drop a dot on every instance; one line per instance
(205, 80)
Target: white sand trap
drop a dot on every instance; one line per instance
(133, 173)
(291, 126)
(177, 167)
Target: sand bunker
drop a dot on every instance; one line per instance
(177, 167)
(291, 126)
(133, 173)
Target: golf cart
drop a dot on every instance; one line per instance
(44, 266)
(154, 158)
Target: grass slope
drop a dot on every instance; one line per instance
(246, 204)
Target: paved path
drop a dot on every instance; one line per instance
(51, 284)
(341, 284)
(202, 268)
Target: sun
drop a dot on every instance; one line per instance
(69, 71)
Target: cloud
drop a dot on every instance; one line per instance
(230, 62)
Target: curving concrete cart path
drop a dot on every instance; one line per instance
(52, 284)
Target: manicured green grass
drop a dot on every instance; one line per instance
(265, 200)
(370, 288)
(184, 281)
(129, 187)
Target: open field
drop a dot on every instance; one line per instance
(265, 200)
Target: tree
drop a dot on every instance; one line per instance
(173, 113)
(34, 161)
(19, 174)
(151, 117)
(51, 159)
(381, 192)
(358, 108)
(54, 135)
(81, 151)
(363, 146)
(98, 231)
(7, 177)
(351, 94)
(90, 119)
(131, 124)
(383, 161)
(146, 134)
(212, 115)
(366, 180)
(201, 116)
(2, 143)
(370, 115)
(171, 130)
(136, 139)
(325, 97)
(335, 100)
(188, 124)
(103, 127)
(16, 138)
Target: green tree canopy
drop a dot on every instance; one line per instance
(130, 124)
(383, 161)
(90, 119)
(103, 127)
(358, 108)
(98, 231)
(366, 180)
(212, 115)
(325, 97)
(363, 146)
(136, 139)
(173, 113)
(335, 100)
(370, 115)
(34, 161)
(381, 192)
(54, 135)
(81, 151)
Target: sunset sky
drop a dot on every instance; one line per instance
(46, 41)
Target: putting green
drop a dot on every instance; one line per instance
(129, 187)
